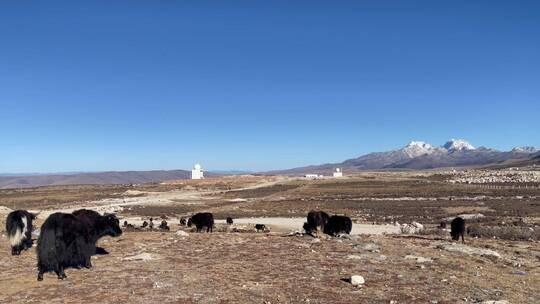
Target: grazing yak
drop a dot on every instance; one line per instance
(183, 221)
(69, 240)
(93, 220)
(229, 220)
(316, 220)
(338, 224)
(144, 224)
(201, 220)
(19, 230)
(164, 226)
(151, 224)
(457, 229)
(260, 227)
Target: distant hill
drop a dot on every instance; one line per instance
(419, 155)
(125, 177)
(533, 160)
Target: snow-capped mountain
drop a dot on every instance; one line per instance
(418, 148)
(458, 145)
(525, 149)
(422, 155)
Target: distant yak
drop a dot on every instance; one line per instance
(229, 220)
(316, 220)
(164, 226)
(183, 221)
(201, 220)
(69, 240)
(457, 229)
(19, 230)
(260, 227)
(338, 224)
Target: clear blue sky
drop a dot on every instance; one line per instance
(256, 85)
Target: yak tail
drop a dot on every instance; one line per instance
(47, 248)
(17, 231)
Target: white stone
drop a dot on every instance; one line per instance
(357, 280)
(182, 233)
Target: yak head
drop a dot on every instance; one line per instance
(110, 225)
(190, 222)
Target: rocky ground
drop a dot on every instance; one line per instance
(249, 267)
(273, 268)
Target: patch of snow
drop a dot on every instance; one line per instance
(525, 149)
(458, 145)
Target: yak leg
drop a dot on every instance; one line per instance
(60, 272)
(40, 274)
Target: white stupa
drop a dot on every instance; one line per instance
(197, 172)
(338, 172)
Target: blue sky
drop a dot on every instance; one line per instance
(257, 85)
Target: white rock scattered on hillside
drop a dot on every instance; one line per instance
(182, 233)
(357, 280)
(142, 257)
(418, 259)
(454, 247)
(495, 177)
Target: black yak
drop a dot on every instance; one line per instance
(151, 224)
(457, 229)
(201, 220)
(316, 220)
(229, 220)
(260, 227)
(69, 240)
(183, 221)
(338, 224)
(164, 226)
(95, 221)
(144, 224)
(19, 230)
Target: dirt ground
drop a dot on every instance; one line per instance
(250, 267)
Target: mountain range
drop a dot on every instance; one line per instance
(418, 155)
(98, 178)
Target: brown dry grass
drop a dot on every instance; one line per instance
(254, 268)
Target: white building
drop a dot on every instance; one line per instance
(338, 172)
(197, 172)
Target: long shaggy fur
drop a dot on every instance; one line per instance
(201, 220)
(457, 229)
(316, 220)
(69, 241)
(338, 224)
(19, 230)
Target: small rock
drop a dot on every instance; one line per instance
(371, 247)
(357, 280)
(418, 259)
(453, 247)
(141, 257)
(182, 233)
